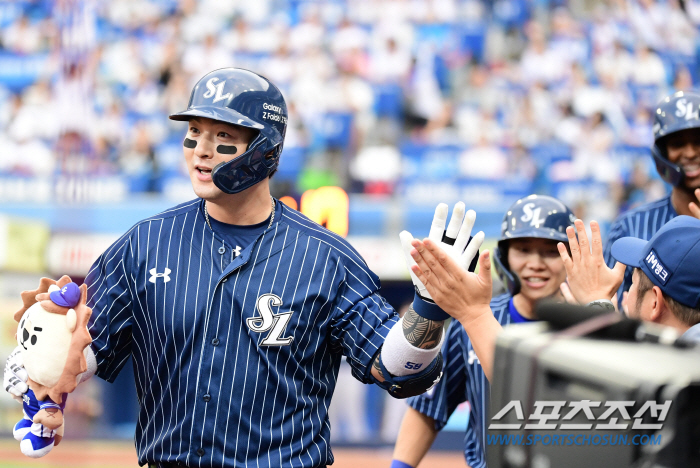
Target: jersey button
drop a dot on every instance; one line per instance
(206, 398)
(200, 451)
(222, 250)
(215, 342)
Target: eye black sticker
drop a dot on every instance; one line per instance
(223, 149)
(189, 143)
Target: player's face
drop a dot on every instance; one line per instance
(538, 265)
(204, 157)
(683, 148)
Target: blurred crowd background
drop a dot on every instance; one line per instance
(401, 103)
(420, 100)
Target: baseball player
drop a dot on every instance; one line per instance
(665, 284)
(676, 152)
(236, 310)
(529, 264)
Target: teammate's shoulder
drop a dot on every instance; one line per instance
(500, 301)
(305, 227)
(659, 204)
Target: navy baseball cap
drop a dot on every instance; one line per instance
(670, 259)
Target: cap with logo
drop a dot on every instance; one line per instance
(670, 258)
(67, 296)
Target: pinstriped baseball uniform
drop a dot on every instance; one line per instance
(235, 357)
(641, 222)
(463, 380)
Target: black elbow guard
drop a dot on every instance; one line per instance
(411, 385)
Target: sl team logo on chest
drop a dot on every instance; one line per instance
(275, 324)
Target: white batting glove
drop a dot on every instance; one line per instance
(453, 240)
(15, 376)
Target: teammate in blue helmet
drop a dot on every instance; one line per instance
(237, 310)
(676, 153)
(529, 263)
(533, 220)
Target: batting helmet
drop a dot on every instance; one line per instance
(241, 97)
(680, 111)
(536, 216)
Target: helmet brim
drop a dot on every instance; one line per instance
(221, 114)
(541, 233)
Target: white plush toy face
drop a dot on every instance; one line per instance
(45, 339)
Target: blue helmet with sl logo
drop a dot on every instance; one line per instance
(241, 97)
(538, 216)
(677, 112)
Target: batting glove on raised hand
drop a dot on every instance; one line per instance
(456, 241)
(15, 376)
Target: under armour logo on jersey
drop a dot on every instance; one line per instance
(472, 357)
(532, 215)
(430, 393)
(275, 323)
(154, 274)
(237, 250)
(216, 90)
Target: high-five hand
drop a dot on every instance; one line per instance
(464, 295)
(456, 291)
(452, 241)
(588, 277)
(693, 206)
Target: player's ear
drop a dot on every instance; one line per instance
(71, 320)
(658, 306)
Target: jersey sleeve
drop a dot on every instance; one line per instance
(361, 319)
(440, 402)
(617, 231)
(110, 297)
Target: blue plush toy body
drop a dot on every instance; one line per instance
(50, 358)
(42, 425)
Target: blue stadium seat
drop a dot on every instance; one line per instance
(388, 100)
(291, 163)
(334, 130)
(473, 40)
(431, 162)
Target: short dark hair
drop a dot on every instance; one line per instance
(688, 315)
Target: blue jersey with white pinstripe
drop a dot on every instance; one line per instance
(641, 222)
(463, 380)
(235, 358)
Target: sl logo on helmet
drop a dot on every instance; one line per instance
(532, 214)
(685, 109)
(216, 90)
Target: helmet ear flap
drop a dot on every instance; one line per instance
(510, 281)
(671, 173)
(272, 157)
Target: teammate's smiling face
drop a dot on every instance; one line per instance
(538, 265)
(201, 160)
(683, 148)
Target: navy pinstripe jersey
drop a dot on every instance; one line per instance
(463, 380)
(641, 222)
(235, 358)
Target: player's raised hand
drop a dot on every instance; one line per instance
(458, 292)
(452, 240)
(588, 277)
(693, 206)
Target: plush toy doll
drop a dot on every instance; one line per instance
(53, 338)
